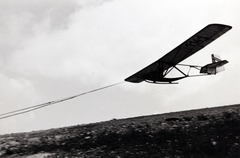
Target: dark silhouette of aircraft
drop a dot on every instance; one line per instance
(157, 72)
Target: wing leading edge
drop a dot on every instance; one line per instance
(155, 71)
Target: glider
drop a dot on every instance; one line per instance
(157, 72)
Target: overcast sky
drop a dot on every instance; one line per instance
(55, 49)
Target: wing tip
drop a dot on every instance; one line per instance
(222, 25)
(133, 80)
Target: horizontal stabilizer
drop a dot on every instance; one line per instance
(220, 69)
(215, 67)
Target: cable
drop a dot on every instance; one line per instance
(35, 107)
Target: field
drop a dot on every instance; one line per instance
(210, 132)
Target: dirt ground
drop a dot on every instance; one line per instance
(203, 133)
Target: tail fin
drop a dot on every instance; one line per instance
(215, 58)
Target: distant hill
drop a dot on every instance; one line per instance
(209, 132)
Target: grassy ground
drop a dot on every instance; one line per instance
(213, 132)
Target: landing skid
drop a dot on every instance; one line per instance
(157, 82)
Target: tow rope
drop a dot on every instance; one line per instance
(35, 107)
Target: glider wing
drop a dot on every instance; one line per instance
(181, 52)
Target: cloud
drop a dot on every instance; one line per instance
(54, 49)
(32, 51)
(21, 21)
